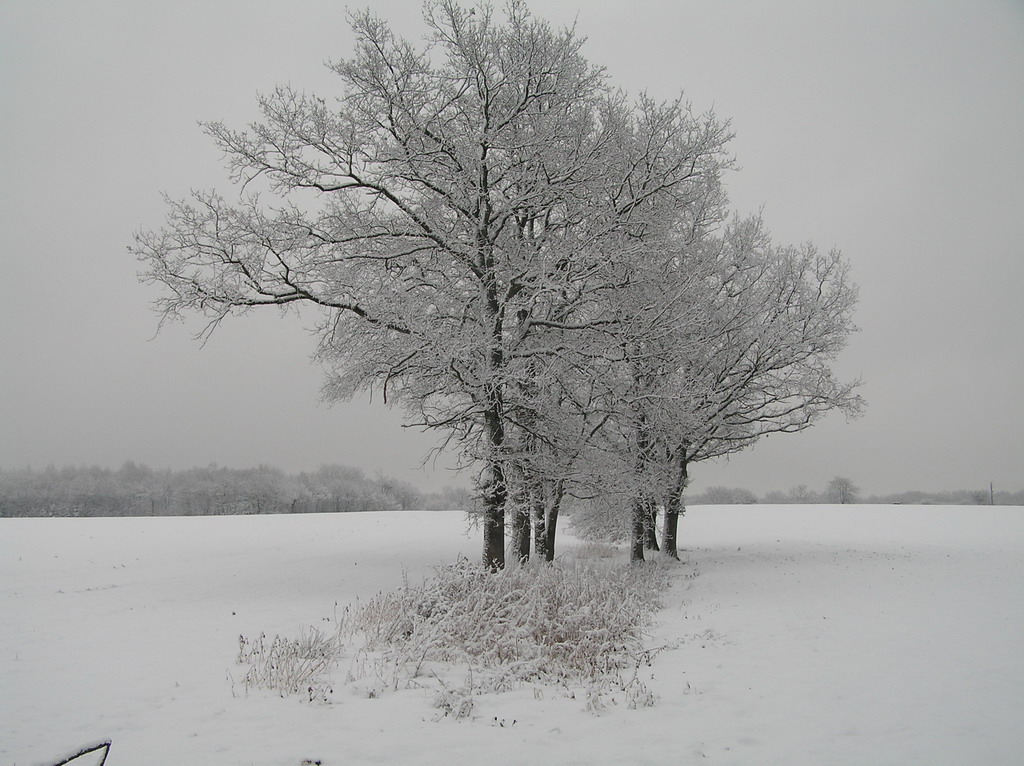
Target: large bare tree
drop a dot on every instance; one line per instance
(750, 356)
(460, 214)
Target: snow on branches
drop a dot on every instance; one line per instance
(523, 257)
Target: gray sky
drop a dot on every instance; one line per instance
(892, 130)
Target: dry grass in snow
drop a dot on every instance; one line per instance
(577, 626)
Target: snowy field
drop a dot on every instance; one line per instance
(795, 635)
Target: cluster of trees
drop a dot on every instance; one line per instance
(524, 258)
(842, 490)
(988, 496)
(137, 490)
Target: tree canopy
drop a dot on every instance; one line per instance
(520, 255)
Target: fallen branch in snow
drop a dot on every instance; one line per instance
(104, 746)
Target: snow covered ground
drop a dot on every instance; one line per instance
(795, 635)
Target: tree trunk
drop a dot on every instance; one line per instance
(552, 521)
(493, 500)
(650, 525)
(519, 506)
(494, 488)
(540, 533)
(521, 534)
(673, 510)
(671, 526)
(637, 527)
(640, 512)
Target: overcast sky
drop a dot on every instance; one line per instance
(892, 130)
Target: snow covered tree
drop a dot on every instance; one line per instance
(733, 339)
(522, 257)
(779, 316)
(841, 490)
(457, 214)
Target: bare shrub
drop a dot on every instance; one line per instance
(571, 623)
(291, 666)
(575, 624)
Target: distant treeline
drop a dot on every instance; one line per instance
(801, 495)
(137, 490)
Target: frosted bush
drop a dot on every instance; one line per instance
(573, 623)
(579, 624)
(291, 666)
